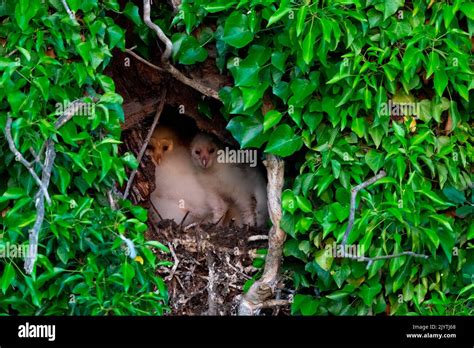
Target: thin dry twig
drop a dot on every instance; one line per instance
(36, 157)
(19, 157)
(272, 304)
(159, 110)
(212, 285)
(68, 10)
(194, 224)
(257, 237)
(143, 60)
(354, 191)
(370, 260)
(43, 183)
(165, 57)
(175, 263)
(30, 260)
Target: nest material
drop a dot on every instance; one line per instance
(211, 265)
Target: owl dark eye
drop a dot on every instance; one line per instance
(211, 150)
(165, 148)
(197, 152)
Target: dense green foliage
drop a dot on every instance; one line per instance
(330, 71)
(49, 60)
(312, 81)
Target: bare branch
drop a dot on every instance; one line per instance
(145, 143)
(354, 191)
(211, 285)
(178, 75)
(144, 61)
(273, 303)
(19, 157)
(257, 238)
(69, 113)
(175, 263)
(382, 257)
(165, 57)
(262, 290)
(161, 35)
(47, 168)
(68, 10)
(37, 157)
(176, 4)
(30, 260)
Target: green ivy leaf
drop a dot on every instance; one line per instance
(440, 81)
(128, 274)
(7, 277)
(236, 30)
(391, 6)
(300, 19)
(454, 195)
(270, 119)
(248, 131)
(283, 141)
(368, 293)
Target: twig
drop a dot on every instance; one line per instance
(165, 57)
(176, 262)
(257, 238)
(70, 112)
(382, 257)
(144, 61)
(156, 210)
(354, 191)
(34, 232)
(176, 4)
(211, 286)
(183, 219)
(112, 203)
(262, 290)
(19, 157)
(194, 224)
(37, 157)
(68, 10)
(178, 75)
(145, 143)
(42, 194)
(272, 303)
(11, 53)
(246, 276)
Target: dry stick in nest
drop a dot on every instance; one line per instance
(165, 57)
(159, 110)
(354, 191)
(176, 262)
(262, 290)
(211, 285)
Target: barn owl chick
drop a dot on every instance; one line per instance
(162, 141)
(241, 187)
(177, 189)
